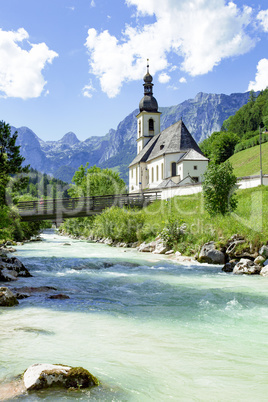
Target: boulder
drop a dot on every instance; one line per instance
(39, 376)
(60, 296)
(10, 268)
(259, 260)
(229, 266)
(160, 247)
(169, 252)
(146, 247)
(210, 254)
(264, 271)
(264, 251)
(246, 266)
(7, 298)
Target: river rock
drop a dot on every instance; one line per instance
(264, 251)
(39, 376)
(229, 266)
(160, 247)
(246, 266)
(210, 254)
(7, 298)
(259, 260)
(264, 271)
(60, 296)
(11, 268)
(147, 247)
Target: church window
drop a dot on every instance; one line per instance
(136, 176)
(139, 128)
(132, 173)
(157, 173)
(162, 171)
(151, 125)
(152, 174)
(173, 169)
(195, 167)
(161, 147)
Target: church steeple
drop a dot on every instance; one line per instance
(149, 117)
(148, 102)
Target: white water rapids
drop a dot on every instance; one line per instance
(147, 328)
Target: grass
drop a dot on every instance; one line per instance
(250, 220)
(247, 162)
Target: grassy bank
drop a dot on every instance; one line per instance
(165, 217)
(247, 162)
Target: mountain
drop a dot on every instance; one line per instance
(202, 115)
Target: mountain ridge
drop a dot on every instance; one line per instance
(202, 115)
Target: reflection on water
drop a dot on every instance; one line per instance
(147, 328)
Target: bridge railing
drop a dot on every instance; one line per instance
(83, 206)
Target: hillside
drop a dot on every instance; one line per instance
(202, 115)
(247, 162)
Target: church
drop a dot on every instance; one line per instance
(167, 158)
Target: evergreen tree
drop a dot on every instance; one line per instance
(10, 162)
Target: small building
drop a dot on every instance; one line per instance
(164, 158)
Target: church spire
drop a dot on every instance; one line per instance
(148, 102)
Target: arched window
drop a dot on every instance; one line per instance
(152, 174)
(162, 171)
(157, 178)
(136, 176)
(151, 125)
(173, 169)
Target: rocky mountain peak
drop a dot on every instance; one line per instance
(70, 139)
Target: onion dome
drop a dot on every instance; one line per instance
(148, 103)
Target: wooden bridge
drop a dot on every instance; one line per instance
(58, 209)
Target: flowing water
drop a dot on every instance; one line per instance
(149, 329)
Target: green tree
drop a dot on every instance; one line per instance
(10, 162)
(219, 189)
(96, 181)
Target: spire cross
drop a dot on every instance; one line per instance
(147, 66)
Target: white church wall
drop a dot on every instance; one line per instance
(156, 172)
(193, 168)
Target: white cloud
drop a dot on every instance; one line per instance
(201, 32)
(164, 78)
(93, 4)
(88, 89)
(182, 80)
(21, 70)
(261, 78)
(263, 17)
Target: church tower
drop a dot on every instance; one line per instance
(149, 118)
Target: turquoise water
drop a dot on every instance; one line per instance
(149, 329)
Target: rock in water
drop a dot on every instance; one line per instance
(39, 376)
(7, 298)
(210, 254)
(246, 266)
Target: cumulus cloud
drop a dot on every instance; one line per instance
(88, 89)
(200, 33)
(263, 17)
(261, 78)
(20, 69)
(164, 78)
(182, 80)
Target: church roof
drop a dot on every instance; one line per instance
(174, 139)
(192, 155)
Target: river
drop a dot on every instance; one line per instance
(147, 328)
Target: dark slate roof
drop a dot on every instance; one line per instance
(174, 139)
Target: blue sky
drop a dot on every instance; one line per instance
(77, 65)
